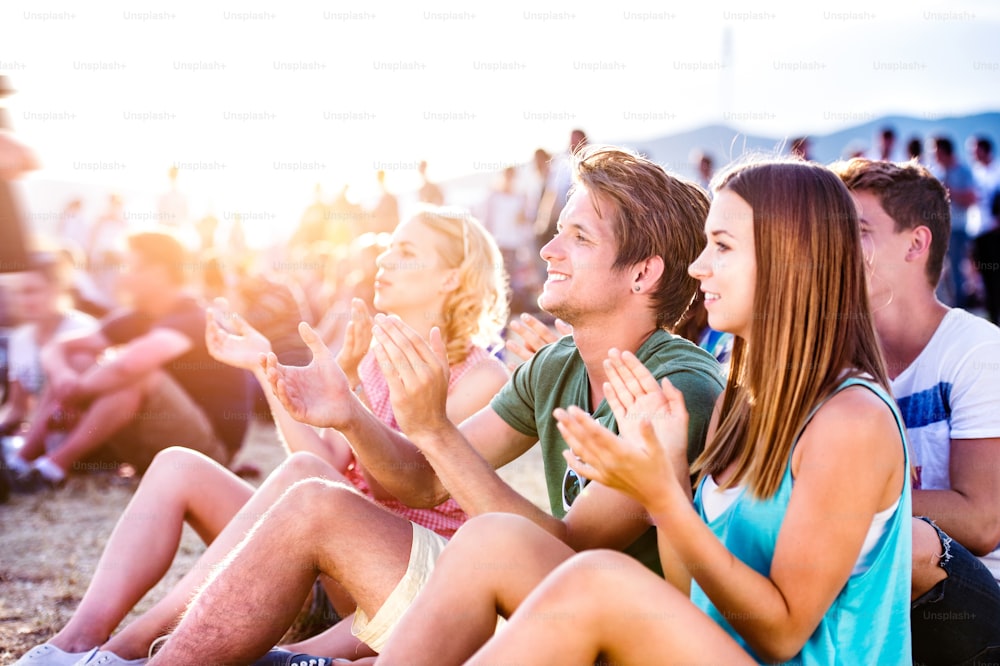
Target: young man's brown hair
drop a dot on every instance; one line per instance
(654, 214)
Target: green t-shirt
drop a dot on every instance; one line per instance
(557, 377)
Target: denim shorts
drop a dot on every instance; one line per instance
(957, 622)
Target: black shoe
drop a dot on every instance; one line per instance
(32, 481)
(278, 657)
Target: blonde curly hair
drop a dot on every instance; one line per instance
(475, 312)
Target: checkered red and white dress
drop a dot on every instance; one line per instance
(446, 517)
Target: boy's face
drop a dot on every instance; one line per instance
(885, 250)
(141, 279)
(580, 259)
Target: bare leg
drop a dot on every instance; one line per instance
(340, 599)
(134, 640)
(34, 439)
(180, 486)
(251, 599)
(605, 604)
(337, 641)
(490, 566)
(103, 418)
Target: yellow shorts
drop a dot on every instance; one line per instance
(426, 548)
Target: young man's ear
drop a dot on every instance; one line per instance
(920, 243)
(646, 274)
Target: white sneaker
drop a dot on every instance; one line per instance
(105, 658)
(50, 655)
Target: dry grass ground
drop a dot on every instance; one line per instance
(50, 543)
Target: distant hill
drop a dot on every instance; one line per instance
(722, 142)
(725, 143)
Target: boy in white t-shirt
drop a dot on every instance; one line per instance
(945, 369)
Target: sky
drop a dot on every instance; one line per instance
(257, 102)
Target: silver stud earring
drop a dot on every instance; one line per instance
(636, 288)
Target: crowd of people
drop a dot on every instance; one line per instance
(764, 410)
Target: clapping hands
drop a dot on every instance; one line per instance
(650, 451)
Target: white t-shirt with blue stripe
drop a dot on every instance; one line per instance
(951, 391)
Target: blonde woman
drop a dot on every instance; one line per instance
(442, 269)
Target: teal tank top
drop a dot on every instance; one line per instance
(869, 621)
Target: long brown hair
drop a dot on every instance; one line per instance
(811, 319)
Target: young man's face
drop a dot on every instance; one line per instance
(142, 280)
(942, 157)
(885, 250)
(580, 257)
(983, 156)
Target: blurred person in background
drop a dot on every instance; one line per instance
(172, 206)
(557, 187)
(429, 192)
(105, 247)
(384, 217)
(43, 310)
(885, 145)
(958, 181)
(704, 167)
(504, 216)
(139, 383)
(986, 175)
(72, 227)
(986, 255)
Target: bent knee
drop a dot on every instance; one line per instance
(304, 465)
(181, 460)
(497, 526)
(321, 500)
(596, 564)
(506, 533)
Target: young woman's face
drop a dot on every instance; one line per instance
(727, 267)
(410, 272)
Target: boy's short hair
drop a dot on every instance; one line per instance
(654, 214)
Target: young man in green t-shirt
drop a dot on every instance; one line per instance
(617, 271)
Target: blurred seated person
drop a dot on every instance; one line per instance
(141, 382)
(43, 312)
